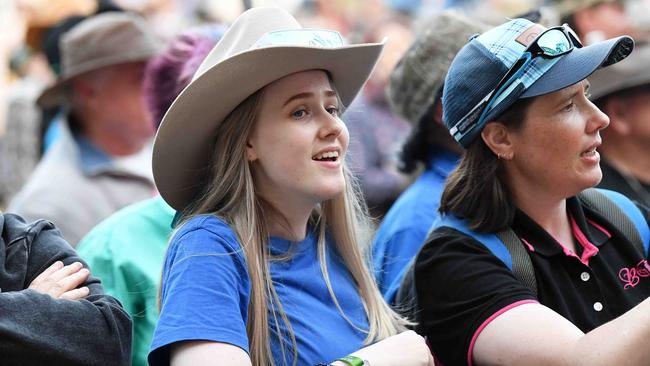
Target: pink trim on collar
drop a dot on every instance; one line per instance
(530, 247)
(588, 249)
(604, 231)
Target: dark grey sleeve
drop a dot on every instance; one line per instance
(36, 329)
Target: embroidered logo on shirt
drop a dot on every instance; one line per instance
(632, 276)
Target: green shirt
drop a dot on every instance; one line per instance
(126, 252)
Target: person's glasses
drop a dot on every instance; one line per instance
(322, 38)
(551, 43)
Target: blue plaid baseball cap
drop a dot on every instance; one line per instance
(481, 64)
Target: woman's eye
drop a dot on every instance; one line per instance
(299, 113)
(568, 107)
(334, 111)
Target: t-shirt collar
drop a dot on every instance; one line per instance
(544, 244)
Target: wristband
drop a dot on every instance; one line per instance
(354, 361)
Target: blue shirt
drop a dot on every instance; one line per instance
(405, 226)
(206, 291)
(91, 157)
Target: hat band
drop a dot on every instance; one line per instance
(306, 37)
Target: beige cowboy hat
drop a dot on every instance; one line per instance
(262, 45)
(106, 39)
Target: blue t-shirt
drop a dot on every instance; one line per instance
(405, 226)
(206, 290)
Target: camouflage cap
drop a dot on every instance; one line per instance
(415, 81)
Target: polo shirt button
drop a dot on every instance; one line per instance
(585, 276)
(598, 306)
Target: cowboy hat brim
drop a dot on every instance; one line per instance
(185, 140)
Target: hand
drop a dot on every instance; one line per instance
(404, 349)
(61, 281)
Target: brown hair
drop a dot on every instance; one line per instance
(476, 190)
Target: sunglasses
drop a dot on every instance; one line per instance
(552, 43)
(321, 38)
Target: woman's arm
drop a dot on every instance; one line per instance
(207, 353)
(64, 317)
(205, 295)
(533, 334)
(404, 349)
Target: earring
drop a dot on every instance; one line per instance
(504, 156)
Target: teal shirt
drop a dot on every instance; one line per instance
(126, 252)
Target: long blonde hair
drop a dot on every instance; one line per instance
(230, 195)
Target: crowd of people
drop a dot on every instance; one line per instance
(339, 183)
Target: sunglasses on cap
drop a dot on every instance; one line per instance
(306, 37)
(552, 43)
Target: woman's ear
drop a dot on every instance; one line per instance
(251, 154)
(498, 138)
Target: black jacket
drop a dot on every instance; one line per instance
(36, 329)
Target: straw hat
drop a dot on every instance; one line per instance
(261, 46)
(106, 39)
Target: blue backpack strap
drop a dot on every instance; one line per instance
(504, 244)
(632, 212)
(406, 297)
(491, 241)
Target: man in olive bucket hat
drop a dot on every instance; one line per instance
(100, 162)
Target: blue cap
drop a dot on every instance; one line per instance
(483, 61)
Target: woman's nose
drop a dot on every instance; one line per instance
(598, 120)
(332, 126)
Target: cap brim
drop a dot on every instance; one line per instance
(630, 74)
(579, 64)
(55, 94)
(186, 136)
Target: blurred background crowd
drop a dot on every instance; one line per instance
(30, 31)
(77, 157)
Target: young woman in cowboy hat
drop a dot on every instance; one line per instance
(516, 98)
(268, 266)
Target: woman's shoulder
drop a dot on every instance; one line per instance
(446, 242)
(205, 224)
(205, 234)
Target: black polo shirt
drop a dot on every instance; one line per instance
(461, 286)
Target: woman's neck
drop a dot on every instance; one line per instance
(287, 221)
(549, 212)
(286, 229)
